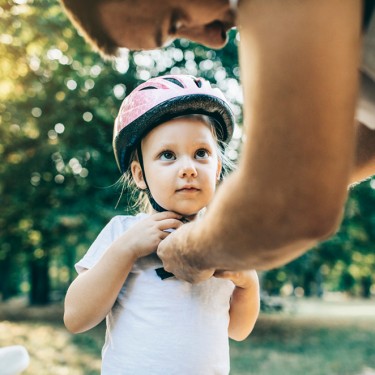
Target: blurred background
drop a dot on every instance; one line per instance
(58, 101)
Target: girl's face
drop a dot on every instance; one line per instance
(181, 163)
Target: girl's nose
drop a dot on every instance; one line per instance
(188, 169)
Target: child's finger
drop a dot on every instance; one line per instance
(166, 215)
(170, 224)
(169, 228)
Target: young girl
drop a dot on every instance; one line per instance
(168, 139)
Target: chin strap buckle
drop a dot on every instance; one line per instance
(163, 274)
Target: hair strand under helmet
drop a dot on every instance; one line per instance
(161, 99)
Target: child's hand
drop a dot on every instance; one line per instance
(242, 279)
(144, 237)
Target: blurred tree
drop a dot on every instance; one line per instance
(343, 263)
(56, 123)
(58, 101)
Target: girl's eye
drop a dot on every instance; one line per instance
(202, 154)
(167, 155)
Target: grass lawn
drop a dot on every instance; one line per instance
(294, 346)
(312, 340)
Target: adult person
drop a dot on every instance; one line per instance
(299, 70)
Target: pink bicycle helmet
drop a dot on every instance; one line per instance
(161, 99)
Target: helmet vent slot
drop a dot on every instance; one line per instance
(175, 81)
(148, 88)
(198, 82)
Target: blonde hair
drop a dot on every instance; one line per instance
(138, 200)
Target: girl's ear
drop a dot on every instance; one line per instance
(219, 167)
(138, 175)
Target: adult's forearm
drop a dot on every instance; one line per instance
(299, 72)
(364, 167)
(234, 236)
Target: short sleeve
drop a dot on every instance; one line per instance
(114, 229)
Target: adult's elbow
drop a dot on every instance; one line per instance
(323, 223)
(294, 236)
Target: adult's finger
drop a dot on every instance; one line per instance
(170, 224)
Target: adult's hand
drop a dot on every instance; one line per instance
(177, 259)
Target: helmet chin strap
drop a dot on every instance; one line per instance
(156, 206)
(153, 202)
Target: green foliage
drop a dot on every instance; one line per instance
(343, 263)
(56, 124)
(314, 345)
(58, 102)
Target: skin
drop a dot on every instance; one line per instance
(291, 185)
(205, 22)
(104, 281)
(297, 161)
(181, 174)
(182, 171)
(364, 155)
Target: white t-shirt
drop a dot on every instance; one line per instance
(159, 326)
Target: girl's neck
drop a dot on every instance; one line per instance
(185, 219)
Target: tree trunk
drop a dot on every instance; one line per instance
(39, 281)
(7, 288)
